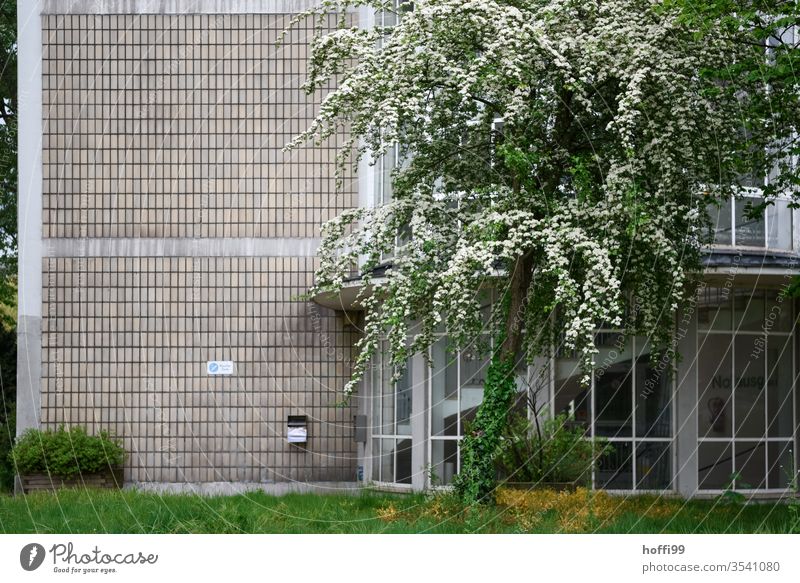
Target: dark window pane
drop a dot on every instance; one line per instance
(444, 455)
(779, 386)
(403, 461)
(749, 374)
(750, 464)
(714, 308)
(780, 467)
(653, 397)
(720, 217)
(613, 383)
(714, 385)
(715, 465)
(376, 460)
(779, 313)
(653, 466)
(615, 470)
(748, 310)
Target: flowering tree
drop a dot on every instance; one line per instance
(561, 152)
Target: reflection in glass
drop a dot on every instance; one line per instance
(715, 465)
(615, 469)
(749, 374)
(653, 466)
(714, 385)
(750, 464)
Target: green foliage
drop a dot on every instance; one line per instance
(8, 159)
(129, 511)
(558, 453)
(8, 392)
(475, 483)
(66, 452)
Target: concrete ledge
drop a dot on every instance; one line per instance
(176, 6)
(181, 247)
(232, 488)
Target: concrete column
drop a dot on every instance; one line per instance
(685, 410)
(419, 422)
(29, 315)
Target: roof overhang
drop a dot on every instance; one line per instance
(349, 297)
(726, 267)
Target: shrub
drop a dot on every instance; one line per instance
(66, 452)
(554, 452)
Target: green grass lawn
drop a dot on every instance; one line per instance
(82, 511)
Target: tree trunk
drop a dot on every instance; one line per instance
(475, 482)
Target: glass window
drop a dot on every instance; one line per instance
(391, 421)
(779, 464)
(571, 397)
(715, 465)
(746, 375)
(653, 465)
(779, 219)
(749, 231)
(714, 309)
(653, 396)
(779, 386)
(444, 390)
(473, 376)
(629, 403)
(615, 470)
(714, 386)
(444, 461)
(721, 223)
(733, 226)
(748, 310)
(456, 391)
(750, 464)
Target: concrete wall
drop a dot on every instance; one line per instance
(162, 226)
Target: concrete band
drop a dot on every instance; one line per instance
(181, 247)
(175, 6)
(29, 318)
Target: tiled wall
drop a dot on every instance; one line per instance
(165, 126)
(125, 346)
(173, 126)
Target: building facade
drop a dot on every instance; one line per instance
(165, 239)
